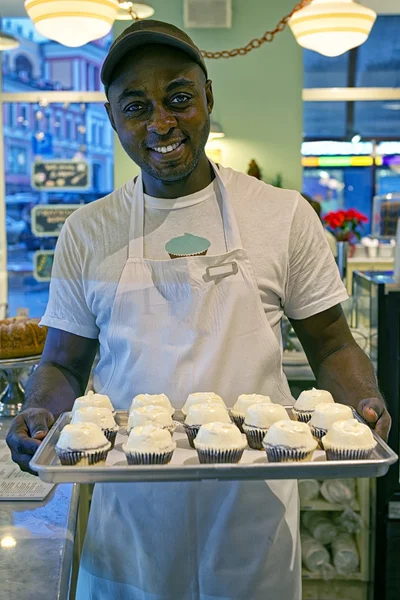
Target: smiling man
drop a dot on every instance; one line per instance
(181, 279)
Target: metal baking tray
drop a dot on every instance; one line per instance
(186, 467)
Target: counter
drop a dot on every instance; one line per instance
(39, 564)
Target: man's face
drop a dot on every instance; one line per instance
(160, 105)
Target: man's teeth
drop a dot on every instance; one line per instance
(166, 149)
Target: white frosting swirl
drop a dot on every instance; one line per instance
(92, 399)
(155, 399)
(264, 414)
(200, 398)
(350, 434)
(291, 434)
(143, 415)
(326, 414)
(246, 400)
(103, 417)
(309, 399)
(149, 438)
(208, 412)
(82, 436)
(220, 435)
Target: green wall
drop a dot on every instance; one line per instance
(257, 97)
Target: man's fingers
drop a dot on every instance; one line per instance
(21, 443)
(23, 463)
(383, 426)
(39, 424)
(371, 409)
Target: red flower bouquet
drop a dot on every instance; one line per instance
(346, 225)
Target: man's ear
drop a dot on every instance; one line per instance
(110, 115)
(209, 96)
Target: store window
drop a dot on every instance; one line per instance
(351, 151)
(43, 143)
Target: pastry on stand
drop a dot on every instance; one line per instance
(21, 345)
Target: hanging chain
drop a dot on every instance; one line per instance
(258, 42)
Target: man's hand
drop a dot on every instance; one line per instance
(374, 412)
(26, 434)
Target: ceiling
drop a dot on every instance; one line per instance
(15, 8)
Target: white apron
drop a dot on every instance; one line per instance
(181, 326)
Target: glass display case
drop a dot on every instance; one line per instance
(376, 313)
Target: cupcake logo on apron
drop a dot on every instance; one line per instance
(187, 245)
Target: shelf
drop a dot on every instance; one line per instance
(317, 576)
(320, 504)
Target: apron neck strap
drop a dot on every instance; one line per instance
(136, 233)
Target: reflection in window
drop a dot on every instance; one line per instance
(41, 64)
(374, 64)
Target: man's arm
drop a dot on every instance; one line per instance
(61, 376)
(341, 367)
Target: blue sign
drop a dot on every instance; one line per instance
(43, 147)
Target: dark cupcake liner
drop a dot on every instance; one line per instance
(347, 454)
(302, 416)
(191, 432)
(188, 255)
(318, 433)
(254, 436)
(148, 458)
(71, 458)
(285, 454)
(238, 420)
(208, 456)
(111, 436)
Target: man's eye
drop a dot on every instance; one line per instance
(180, 99)
(134, 107)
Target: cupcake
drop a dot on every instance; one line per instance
(82, 445)
(103, 417)
(307, 401)
(258, 419)
(325, 415)
(187, 245)
(152, 399)
(92, 399)
(200, 398)
(159, 416)
(219, 443)
(349, 440)
(200, 414)
(289, 441)
(149, 445)
(242, 404)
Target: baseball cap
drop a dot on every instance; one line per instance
(148, 32)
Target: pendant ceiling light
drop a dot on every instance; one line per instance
(133, 10)
(72, 22)
(332, 27)
(7, 41)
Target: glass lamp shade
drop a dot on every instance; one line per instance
(216, 131)
(72, 22)
(332, 27)
(7, 42)
(139, 11)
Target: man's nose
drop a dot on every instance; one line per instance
(162, 121)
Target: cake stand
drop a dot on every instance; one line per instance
(12, 398)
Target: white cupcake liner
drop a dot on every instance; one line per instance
(304, 416)
(287, 454)
(149, 458)
(213, 455)
(237, 419)
(348, 454)
(80, 458)
(255, 436)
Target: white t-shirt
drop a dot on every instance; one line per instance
(293, 265)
